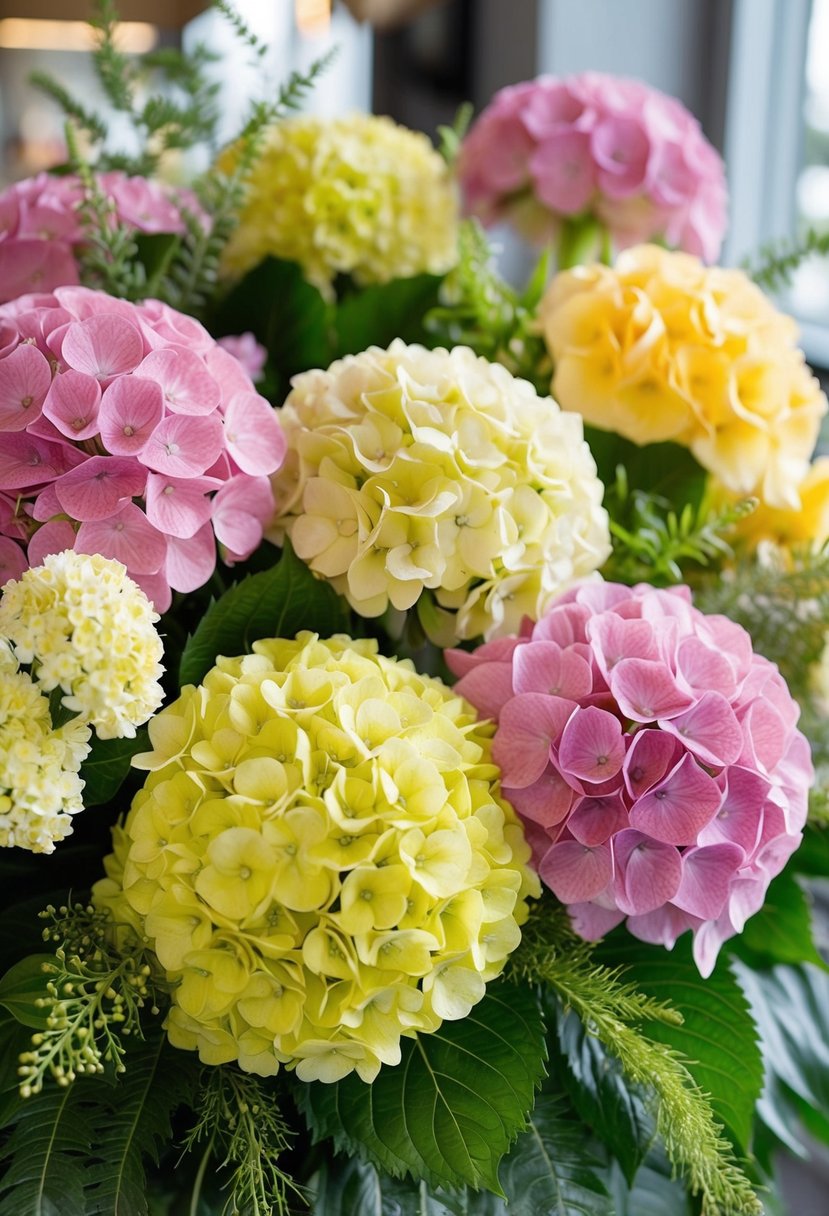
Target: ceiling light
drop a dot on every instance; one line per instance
(32, 34)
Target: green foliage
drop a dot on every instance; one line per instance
(84, 1000)
(616, 1111)
(451, 137)
(781, 932)
(449, 1111)
(376, 315)
(551, 1170)
(654, 1056)
(45, 1153)
(654, 542)
(107, 765)
(790, 1006)
(276, 603)
(479, 309)
(351, 1187)
(239, 1120)
(777, 261)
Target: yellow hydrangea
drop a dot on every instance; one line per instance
(410, 469)
(321, 859)
(806, 526)
(357, 195)
(661, 347)
(87, 628)
(40, 788)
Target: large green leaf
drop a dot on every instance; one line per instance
(781, 932)
(654, 1192)
(14, 1038)
(660, 468)
(449, 1111)
(550, 1169)
(791, 1008)
(718, 1036)
(45, 1156)
(276, 603)
(23, 986)
(375, 316)
(107, 766)
(345, 1188)
(604, 1099)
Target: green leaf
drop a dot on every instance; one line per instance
(449, 1111)
(812, 858)
(655, 1191)
(718, 1036)
(603, 1098)
(14, 1038)
(781, 932)
(107, 766)
(375, 316)
(46, 1153)
(660, 468)
(284, 311)
(791, 1008)
(344, 1188)
(276, 603)
(551, 1170)
(135, 1123)
(22, 986)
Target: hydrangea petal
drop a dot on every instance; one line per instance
(131, 409)
(186, 385)
(679, 807)
(707, 872)
(709, 729)
(575, 872)
(99, 486)
(25, 377)
(591, 746)
(647, 872)
(183, 445)
(529, 725)
(128, 536)
(104, 345)
(254, 438)
(72, 404)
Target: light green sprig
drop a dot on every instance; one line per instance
(551, 954)
(777, 261)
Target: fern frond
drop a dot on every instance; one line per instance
(114, 69)
(45, 1154)
(551, 954)
(777, 261)
(84, 119)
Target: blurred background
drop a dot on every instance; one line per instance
(755, 73)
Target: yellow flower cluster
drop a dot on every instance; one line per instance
(785, 527)
(410, 469)
(88, 629)
(320, 858)
(357, 195)
(662, 347)
(39, 784)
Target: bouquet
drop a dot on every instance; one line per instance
(412, 689)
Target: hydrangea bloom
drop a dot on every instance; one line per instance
(320, 858)
(90, 631)
(40, 788)
(653, 757)
(661, 347)
(127, 431)
(248, 351)
(356, 195)
(40, 228)
(412, 469)
(550, 149)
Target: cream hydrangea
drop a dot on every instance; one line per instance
(88, 629)
(320, 858)
(40, 788)
(411, 469)
(356, 195)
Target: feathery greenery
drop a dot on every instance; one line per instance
(653, 543)
(240, 1124)
(777, 261)
(479, 309)
(451, 137)
(551, 954)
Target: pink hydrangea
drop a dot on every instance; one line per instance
(128, 431)
(250, 353)
(653, 757)
(40, 228)
(636, 159)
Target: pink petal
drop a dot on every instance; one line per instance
(706, 879)
(564, 625)
(709, 729)
(676, 810)
(547, 801)
(53, 537)
(156, 588)
(103, 346)
(649, 757)
(12, 560)
(546, 667)
(25, 376)
(241, 510)
(27, 461)
(592, 747)
(254, 438)
(529, 725)
(183, 445)
(72, 404)
(128, 537)
(574, 872)
(97, 488)
(647, 690)
(648, 872)
(186, 384)
(591, 921)
(764, 736)
(190, 563)
(131, 409)
(563, 170)
(703, 668)
(179, 508)
(740, 816)
(499, 650)
(663, 926)
(29, 265)
(487, 687)
(621, 148)
(613, 638)
(595, 820)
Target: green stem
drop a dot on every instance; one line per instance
(198, 1182)
(578, 241)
